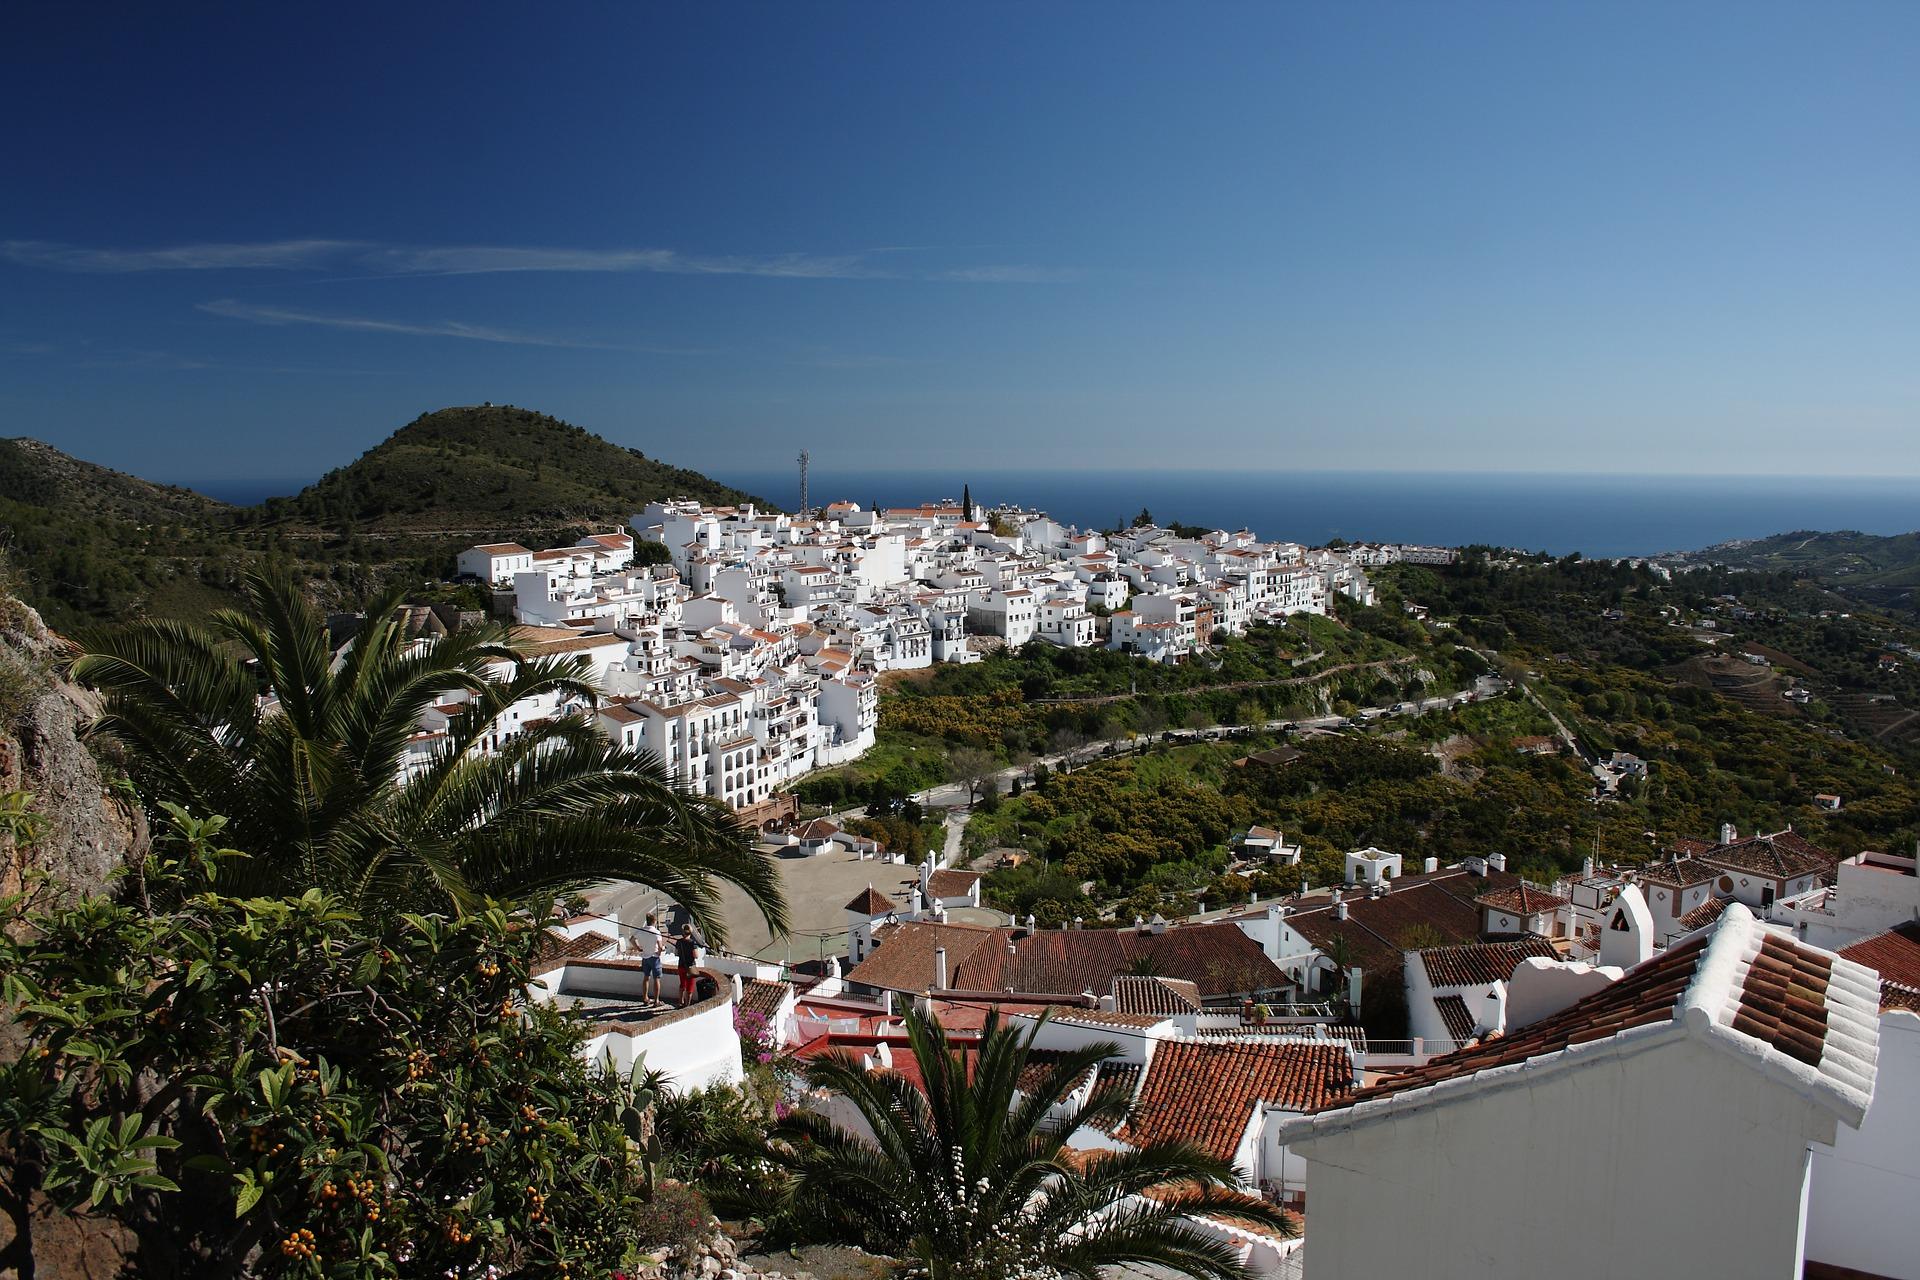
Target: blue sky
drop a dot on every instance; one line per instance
(251, 241)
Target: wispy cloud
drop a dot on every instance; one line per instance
(366, 258)
(270, 315)
(277, 255)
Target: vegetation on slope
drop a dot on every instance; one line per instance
(94, 545)
(482, 467)
(1150, 833)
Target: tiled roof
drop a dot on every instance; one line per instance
(1895, 956)
(1122, 1076)
(1378, 930)
(1459, 1020)
(1784, 855)
(1703, 915)
(1204, 1092)
(952, 884)
(1788, 1009)
(1521, 899)
(871, 902)
(1162, 996)
(1678, 873)
(1479, 963)
(556, 948)
(902, 960)
(764, 997)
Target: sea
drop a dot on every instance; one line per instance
(1596, 515)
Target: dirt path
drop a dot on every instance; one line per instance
(1100, 699)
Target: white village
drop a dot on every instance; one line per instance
(1709, 1064)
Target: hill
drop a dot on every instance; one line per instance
(87, 542)
(490, 468)
(1878, 570)
(83, 543)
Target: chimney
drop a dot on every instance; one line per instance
(1498, 861)
(1076, 922)
(1430, 866)
(940, 968)
(1586, 869)
(1727, 834)
(1493, 1016)
(1029, 922)
(1353, 987)
(1334, 897)
(1339, 909)
(1139, 924)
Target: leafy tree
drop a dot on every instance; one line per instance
(276, 1086)
(313, 788)
(967, 1176)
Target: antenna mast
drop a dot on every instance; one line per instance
(803, 484)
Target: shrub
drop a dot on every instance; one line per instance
(677, 1218)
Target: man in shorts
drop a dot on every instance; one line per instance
(648, 943)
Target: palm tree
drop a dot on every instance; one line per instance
(312, 786)
(968, 1177)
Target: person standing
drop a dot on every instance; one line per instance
(686, 948)
(648, 942)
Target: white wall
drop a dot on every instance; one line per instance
(1864, 1206)
(698, 1050)
(1672, 1160)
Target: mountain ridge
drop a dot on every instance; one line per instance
(85, 543)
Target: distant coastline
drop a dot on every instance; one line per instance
(1603, 515)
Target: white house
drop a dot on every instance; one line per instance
(1010, 613)
(495, 563)
(1872, 892)
(1667, 1120)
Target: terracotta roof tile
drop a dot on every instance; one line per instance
(952, 884)
(1678, 873)
(1459, 1021)
(871, 902)
(1703, 915)
(1521, 899)
(1783, 1000)
(556, 948)
(1479, 963)
(1646, 995)
(1204, 1092)
(1743, 986)
(1162, 996)
(1784, 855)
(1895, 956)
(763, 997)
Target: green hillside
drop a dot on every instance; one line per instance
(1879, 570)
(491, 467)
(85, 544)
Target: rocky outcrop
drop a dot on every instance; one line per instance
(86, 831)
(83, 834)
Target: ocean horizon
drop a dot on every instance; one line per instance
(1559, 513)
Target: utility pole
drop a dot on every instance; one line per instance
(803, 484)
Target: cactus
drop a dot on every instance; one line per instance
(635, 1114)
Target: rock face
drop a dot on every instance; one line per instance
(87, 831)
(85, 834)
